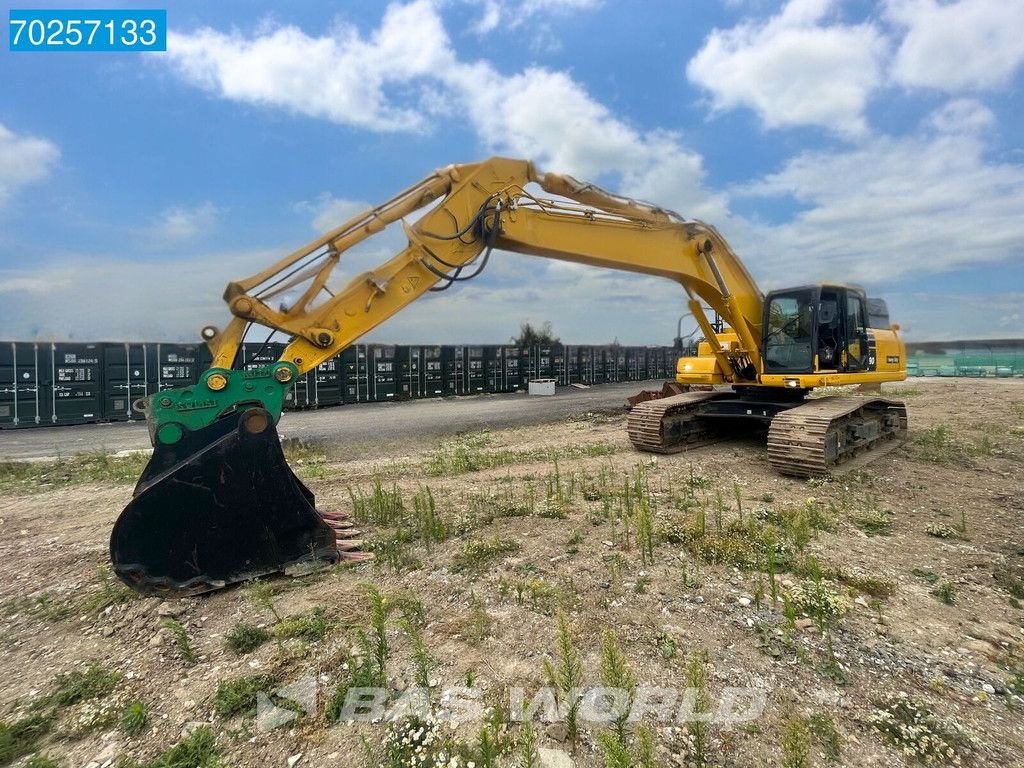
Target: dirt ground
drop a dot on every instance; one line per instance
(920, 556)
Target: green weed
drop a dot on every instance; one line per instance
(565, 675)
(698, 727)
(188, 655)
(21, 737)
(472, 453)
(667, 646)
(27, 477)
(796, 743)
(874, 522)
(414, 742)
(645, 757)
(134, 718)
(312, 626)
(110, 591)
(422, 661)
(939, 530)
(1012, 580)
(261, 595)
(937, 445)
(866, 584)
(913, 729)
(376, 646)
(616, 674)
(613, 750)
(479, 553)
(44, 606)
(946, 593)
(528, 756)
(826, 734)
(1016, 684)
(309, 461)
(480, 623)
(198, 750)
(236, 696)
(393, 551)
(361, 675)
(381, 506)
(245, 638)
(430, 528)
(81, 685)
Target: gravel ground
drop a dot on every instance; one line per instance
(898, 594)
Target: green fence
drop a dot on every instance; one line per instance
(1003, 361)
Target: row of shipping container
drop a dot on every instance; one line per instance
(76, 383)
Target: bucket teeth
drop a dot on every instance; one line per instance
(340, 525)
(339, 516)
(358, 557)
(346, 536)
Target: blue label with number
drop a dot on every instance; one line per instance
(87, 30)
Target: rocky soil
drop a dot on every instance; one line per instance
(900, 582)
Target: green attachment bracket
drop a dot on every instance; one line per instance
(219, 391)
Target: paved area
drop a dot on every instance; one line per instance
(366, 427)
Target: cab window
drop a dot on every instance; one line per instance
(788, 340)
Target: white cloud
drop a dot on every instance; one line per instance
(339, 76)
(894, 208)
(161, 300)
(329, 212)
(27, 285)
(794, 69)
(949, 315)
(544, 115)
(962, 116)
(888, 208)
(178, 224)
(532, 7)
(24, 160)
(489, 19)
(549, 117)
(965, 45)
(496, 13)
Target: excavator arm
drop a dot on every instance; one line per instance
(485, 206)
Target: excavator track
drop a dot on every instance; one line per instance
(671, 424)
(834, 434)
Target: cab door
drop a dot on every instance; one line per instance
(860, 353)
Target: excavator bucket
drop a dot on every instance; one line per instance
(220, 506)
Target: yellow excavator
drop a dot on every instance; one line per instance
(218, 504)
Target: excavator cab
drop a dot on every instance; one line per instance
(815, 329)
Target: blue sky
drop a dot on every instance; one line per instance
(878, 143)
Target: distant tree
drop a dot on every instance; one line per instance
(530, 336)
